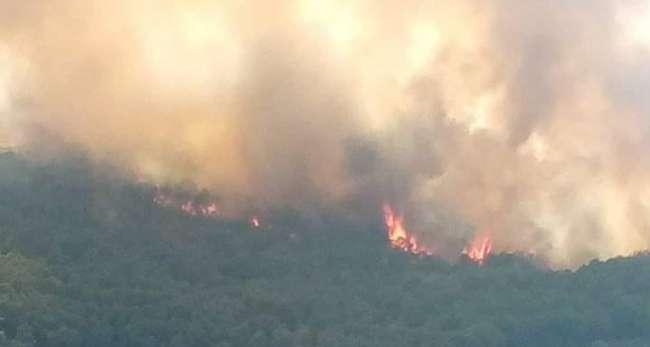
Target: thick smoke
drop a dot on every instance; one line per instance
(524, 120)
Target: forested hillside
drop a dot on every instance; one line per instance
(87, 259)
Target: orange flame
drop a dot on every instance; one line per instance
(479, 249)
(194, 208)
(398, 237)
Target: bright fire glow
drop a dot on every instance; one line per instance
(398, 237)
(479, 249)
(255, 222)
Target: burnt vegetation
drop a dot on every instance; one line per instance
(88, 259)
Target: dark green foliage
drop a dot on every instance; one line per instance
(89, 260)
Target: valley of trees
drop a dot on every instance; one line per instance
(88, 259)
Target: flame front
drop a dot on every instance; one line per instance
(398, 237)
(479, 249)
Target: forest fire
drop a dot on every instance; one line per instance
(398, 237)
(198, 207)
(479, 249)
(190, 207)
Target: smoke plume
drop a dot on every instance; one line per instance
(524, 120)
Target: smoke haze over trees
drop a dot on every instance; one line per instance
(523, 120)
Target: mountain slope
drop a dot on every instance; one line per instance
(87, 259)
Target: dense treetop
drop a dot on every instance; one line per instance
(88, 259)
